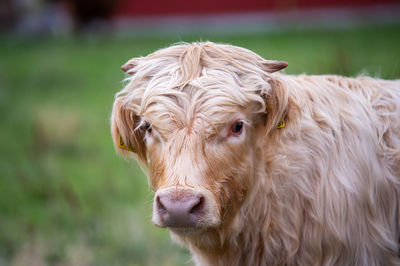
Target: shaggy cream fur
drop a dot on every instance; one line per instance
(323, 190)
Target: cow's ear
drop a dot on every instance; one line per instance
(128, 66)
(281, 108)
(271, 66)
(126, 133)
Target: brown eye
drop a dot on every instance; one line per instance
(147, 127)
(237, 127)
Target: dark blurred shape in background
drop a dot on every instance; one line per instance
(89, 12)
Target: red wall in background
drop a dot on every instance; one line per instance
(180, 7)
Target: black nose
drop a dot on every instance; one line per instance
(180, 208)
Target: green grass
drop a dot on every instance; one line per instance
(66, 198)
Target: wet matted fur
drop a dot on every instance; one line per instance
(322, 190)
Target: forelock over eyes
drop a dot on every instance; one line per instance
(175, 85)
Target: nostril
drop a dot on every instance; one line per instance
(160, 206)
(198, 206)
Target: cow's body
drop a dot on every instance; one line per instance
(235, 189)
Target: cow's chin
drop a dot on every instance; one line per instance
(187, 231)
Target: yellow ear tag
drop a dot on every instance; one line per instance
(122, 145)
(281, 124)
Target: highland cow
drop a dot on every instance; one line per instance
(253, 167)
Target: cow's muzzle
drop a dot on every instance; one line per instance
(182, 208)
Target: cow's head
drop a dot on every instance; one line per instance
(197, 116)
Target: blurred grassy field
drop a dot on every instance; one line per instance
(66, 198)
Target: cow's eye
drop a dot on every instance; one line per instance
(147, 127)
(237, 128)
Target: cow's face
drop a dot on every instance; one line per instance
(198, 126)
(201, 171)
